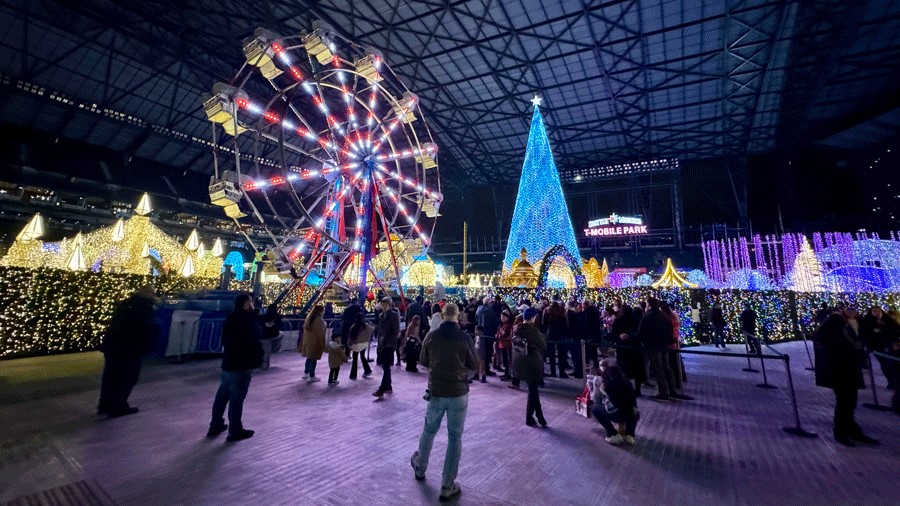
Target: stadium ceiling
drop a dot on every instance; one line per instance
(622, 81)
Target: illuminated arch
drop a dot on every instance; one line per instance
(236, 260)
(560, 251)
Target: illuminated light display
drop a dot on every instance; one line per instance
(541, 216)
(615, 225)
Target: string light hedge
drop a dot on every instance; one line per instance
(54, 311)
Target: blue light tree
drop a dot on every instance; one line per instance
(541, 217)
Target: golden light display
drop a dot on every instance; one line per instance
(672, 279)
(521, 273)
(124, 248)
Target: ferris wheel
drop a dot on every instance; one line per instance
(331, 155)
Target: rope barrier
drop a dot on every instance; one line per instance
(877, 406)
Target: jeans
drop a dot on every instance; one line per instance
(659, 366)
(120, 374)
(718, 335)
(333, 374)
(629, 420)
(386, 378)
(232, 391)
(456, 408)
(365, 363)
(533, 407)
(677, 369)
(310, 367)
(504, 357)
(267, 351)
(844, 408)
(556, 354)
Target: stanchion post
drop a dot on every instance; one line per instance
(762, 364)
(808, 355)
(874, 405)
(797, 429)
(749, 367)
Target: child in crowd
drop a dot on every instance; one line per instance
(479, 342)
(614, 401)
(336, 357)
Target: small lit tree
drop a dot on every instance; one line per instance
(807, 275)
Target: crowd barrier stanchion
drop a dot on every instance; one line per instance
(762, 365)
(874, 405)
(797, 429)
(749, 367)
(808, 354)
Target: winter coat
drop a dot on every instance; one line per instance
(271, 322)
(655, 330)
(436, 320)
(388, 336)
(361, 335)
(348, 317)
(630, 356)
(838, 359)
(240, 338)
(132, 332)
(488, 319)
(530, 367)
(717, 318)
(312, 345)
(336, 354)
(448, 354)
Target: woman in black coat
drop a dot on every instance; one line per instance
(624, 333)
(839, 362)
(530, 366)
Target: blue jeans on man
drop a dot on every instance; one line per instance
(455, 408)
(232, 392)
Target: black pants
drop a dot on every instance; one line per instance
(577, 362)
(629, 420)
(487, 351)
(752, 343)
(590, 350)
(557, 356)
(844, 408)
(533, 408)
(662, 371)
(333, 374)
(504, 357)
(120, 374)
(365, 363)
(386, 364)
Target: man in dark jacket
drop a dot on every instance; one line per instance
(489, 321)
(388, 338)
(416, 309)
(348, 318)
(243, 353)
(748, 329)
(447, 354)
(717, 321)
(655, 333)
(131, 335)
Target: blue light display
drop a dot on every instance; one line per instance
(236, 261)
(541, 217)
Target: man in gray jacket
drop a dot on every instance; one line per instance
(446, 352)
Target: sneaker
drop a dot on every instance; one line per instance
(239, 436)
(124, 412)
(367, 375)
(542, 422)
(314, 379)
(629, 439)
(413, 461)
(615, 440)
(333, 383)
(450, 492)
(305, 376)
(514, 387)
(531, 423)
(215, 430)
(484, 379)
(378, 393)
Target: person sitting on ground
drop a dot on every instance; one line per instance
(614, 401)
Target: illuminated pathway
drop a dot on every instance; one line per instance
(319, 445)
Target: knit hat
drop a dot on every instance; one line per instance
(529, 313)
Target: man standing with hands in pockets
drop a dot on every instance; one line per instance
(447, 354)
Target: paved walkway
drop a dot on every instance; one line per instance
(317, 445)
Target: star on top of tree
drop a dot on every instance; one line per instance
(536, 101)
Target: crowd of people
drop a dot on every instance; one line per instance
(464, 342)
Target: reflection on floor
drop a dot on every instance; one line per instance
(320, 445)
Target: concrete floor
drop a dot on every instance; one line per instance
(336, 446)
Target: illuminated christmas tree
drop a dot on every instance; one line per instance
(807, 275)
(541, 217)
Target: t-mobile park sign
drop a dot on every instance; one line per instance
(615, 225)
